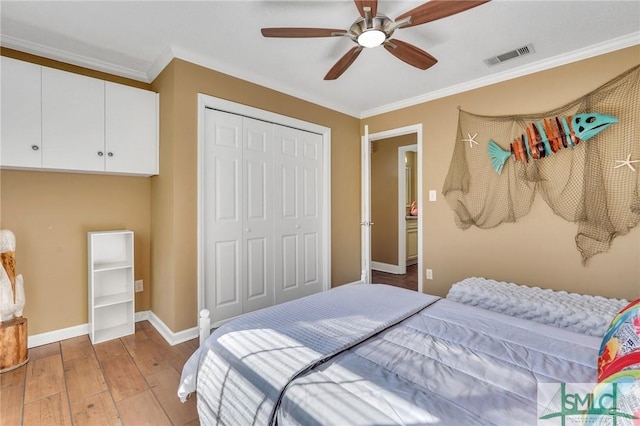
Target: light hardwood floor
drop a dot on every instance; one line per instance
(127, 381)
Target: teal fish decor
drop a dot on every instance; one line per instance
(545, 137)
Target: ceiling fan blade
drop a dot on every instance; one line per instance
(343, 63)
(410, 54)
(301, 32)
(373, 4)
(438, 9)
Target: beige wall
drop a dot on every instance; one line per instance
(384, 191)
(540, 249)
(174, 215)
(51, 213)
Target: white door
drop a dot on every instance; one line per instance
(222, 212)
(258, 239)
(298, 213)
(366, 196)
(131, 130)
(21, 114)
(72, 121)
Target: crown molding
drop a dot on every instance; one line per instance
(254, 78)
(160, 63)
(172, 52)
(574, 56)
(71, 58)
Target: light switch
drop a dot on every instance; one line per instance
(432, 195)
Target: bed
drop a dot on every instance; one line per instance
(376, 354)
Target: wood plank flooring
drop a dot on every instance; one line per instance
(127, 381)
(408, 281)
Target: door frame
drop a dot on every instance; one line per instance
(367, 139)
(211, 102)
(402, 201)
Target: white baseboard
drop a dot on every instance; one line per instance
(171, 337)
(82, 329)
(385, 267)
(57, 335)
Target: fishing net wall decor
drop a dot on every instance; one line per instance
(594, 183)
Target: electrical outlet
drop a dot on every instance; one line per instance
(138, 285)
(429, 274)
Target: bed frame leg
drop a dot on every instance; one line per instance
(204, 325)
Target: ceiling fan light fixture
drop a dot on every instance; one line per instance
(371, 38)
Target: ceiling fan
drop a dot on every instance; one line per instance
(372, 29)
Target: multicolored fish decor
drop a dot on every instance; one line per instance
(543, 138)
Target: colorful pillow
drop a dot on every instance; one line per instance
(620, 391)
(620, 348)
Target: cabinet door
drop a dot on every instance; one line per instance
(222, 215)
(297, 213)
(72, 121)
(21, 114)
(131, 130)
(412, 242)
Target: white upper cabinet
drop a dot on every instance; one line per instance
(21, 143)
(56, 120)
(72, 121)
(131, 130)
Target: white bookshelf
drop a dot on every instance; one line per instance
(111, 291)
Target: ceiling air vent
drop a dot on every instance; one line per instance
(521, 51)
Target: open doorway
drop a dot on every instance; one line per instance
(393, 159)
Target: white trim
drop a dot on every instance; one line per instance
(172, 52)
(57, 335)
(417, 129)
(171, 337)
(161, 62)
(82, 329)
(71, 58)
(402, 202)
(365, 207)
(207, 101)
(386, 267)
(545, 64)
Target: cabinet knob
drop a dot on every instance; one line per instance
(35, 147)
(110, 154)
(100, 153)
(248, 229)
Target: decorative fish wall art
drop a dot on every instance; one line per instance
(545, 137)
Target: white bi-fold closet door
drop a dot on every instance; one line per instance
(262, 214)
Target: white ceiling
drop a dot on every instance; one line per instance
(137, 39)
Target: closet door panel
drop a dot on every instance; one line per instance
(222, 217)
(262, 207)
(258, 214)
(227, 259)
(298, 161)
(311, 208)
(311, 251)
(289, 267)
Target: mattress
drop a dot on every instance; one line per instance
(576, 312)
(447, 363)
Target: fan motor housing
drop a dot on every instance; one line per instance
(379, 22)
